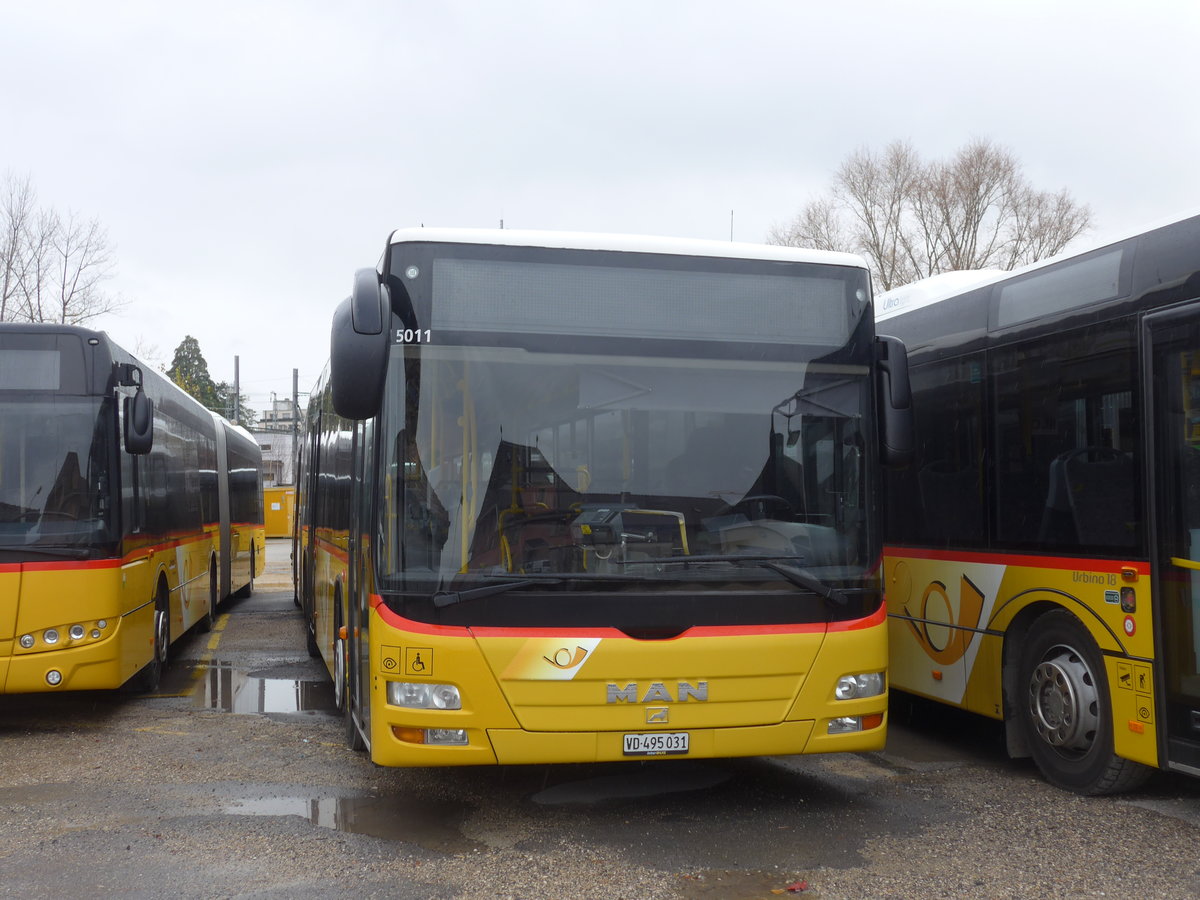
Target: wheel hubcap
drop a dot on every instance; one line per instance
(160, 634)
(339, 673)
(1063, 701)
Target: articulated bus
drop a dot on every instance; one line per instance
(570, 498)
(1043, 558)
(128, 511)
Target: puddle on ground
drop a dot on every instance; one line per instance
(226, 689)
(429, 824)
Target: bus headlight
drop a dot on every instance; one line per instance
(27, 641)
(76, 632)
(852, 687)
(50, 636)
(419, 695)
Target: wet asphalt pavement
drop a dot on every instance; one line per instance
(233, 780)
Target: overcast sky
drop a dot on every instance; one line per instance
(246, 157)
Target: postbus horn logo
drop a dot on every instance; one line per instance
(565, 659)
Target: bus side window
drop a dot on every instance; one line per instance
(1067, 442)
(939, 499)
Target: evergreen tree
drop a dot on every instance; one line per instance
(189, 370)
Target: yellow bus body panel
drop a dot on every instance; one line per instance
(112, 598)
(571, 697)
(943, 658)
(57, 598)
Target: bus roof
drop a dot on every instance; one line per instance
(628, 243)
(946, 285)
(931, 290)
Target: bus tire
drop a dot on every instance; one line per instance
(147, 679)
(342, 694)
(247, 589)
(1064, 709)
(209, 618)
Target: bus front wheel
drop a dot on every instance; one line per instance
(1064, 708)
(148, 678)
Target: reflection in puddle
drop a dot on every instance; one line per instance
(432, 825)
(228, 690)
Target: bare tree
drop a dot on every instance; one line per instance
(911, 219)
(18, 200)
(53, 266)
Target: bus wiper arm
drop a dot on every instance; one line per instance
(711, 557)
(442, 599)
(60, 552)
(805, 579)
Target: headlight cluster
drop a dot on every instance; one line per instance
(63, 636)
(854, 687)
(420, 695)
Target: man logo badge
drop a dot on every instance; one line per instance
(657, 715)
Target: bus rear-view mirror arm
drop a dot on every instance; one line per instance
(138, 412)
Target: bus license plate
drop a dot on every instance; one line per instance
(656, 744)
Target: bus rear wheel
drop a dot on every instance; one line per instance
(1064, 709)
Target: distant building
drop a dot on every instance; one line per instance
(280, 416)
(274, 436)
(278, 457)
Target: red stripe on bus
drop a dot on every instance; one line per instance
(1028, 562)
(875, 619)
(106, 563)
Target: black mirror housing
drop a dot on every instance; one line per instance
(358, 351)
(139, 424)
(894, 402)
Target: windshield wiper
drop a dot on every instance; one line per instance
(774, 561)
(59, 552)
(711, 557)
(805, 579)
(442, 599)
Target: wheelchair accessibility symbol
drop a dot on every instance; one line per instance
(418, 661)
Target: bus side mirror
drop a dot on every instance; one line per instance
(139, 423)
(894, 402)
(358, 349)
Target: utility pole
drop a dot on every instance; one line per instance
(295, 421)
(237, 392)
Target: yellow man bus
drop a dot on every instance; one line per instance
(578, 497)
(1043, 558)
(127, 512)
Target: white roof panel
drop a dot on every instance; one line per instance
(568, 240)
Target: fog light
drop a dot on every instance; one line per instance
(54, 678)
(27, 641)
(50, 636)
(845, 725)
(103, 623)
(851, 687)
(445, 735)
(76, 632)
(417, 695)
(95, 634)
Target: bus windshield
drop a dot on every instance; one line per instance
(602, 458)
(55, 455)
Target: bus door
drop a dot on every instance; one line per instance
(358, 594)
(1172, 342)
(308, 521)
